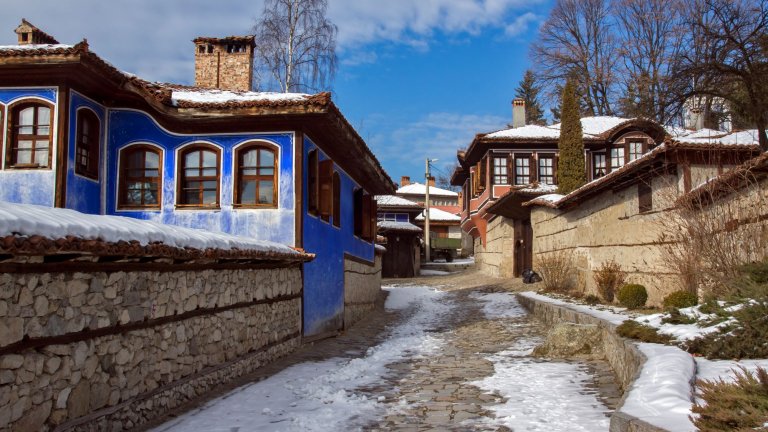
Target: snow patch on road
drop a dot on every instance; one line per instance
(323, 396)
(500, 305)
(543, 396)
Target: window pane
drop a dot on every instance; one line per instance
(267, 158)
(191, 197)
(44, 117)
(152, 173)
(150, 197)
(151, 160)
(209, 172)
(266, 171)
(26, 121)
(192, 159)
(250, 171)
(209, 196)
(41, 155)
(266, 192)
(209, 159)
(248, 192)
(249, 158)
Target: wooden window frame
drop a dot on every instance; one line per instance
(88, 150)
(515, 158)
(312, 182)
(609, 155)
(181, 178)
(336, 199)
(500, 179)
(13, 137)
(628, 152)
(122, 185)
(238, 175)
(357, 208)
(595, 165)
(644, 197)
(544, 157)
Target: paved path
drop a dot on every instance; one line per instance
(435, 391)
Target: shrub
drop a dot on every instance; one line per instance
(680, 299)
(741, 405)
(747, 339)
(557, 271)
(608, 278)
(675, 317)
(592, 299)
(633, 296)
(634, 330)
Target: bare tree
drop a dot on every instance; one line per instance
(725, 57)
(648, 44)
(577, 41)
(295, 46)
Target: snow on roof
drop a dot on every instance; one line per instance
(224, 96)
(398, 226)
(539, 188)
(436, 214)
(708, 136)
(420, 189)
(56, 223)
(597, 125)
(528, 131)
(35, 47)
(394, 200)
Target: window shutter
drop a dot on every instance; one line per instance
(368, 228)
(533, 170)
(336, 200)
(510, 173)
(358, 206)
(372, 217)
(555, 160)
(326, 189)
(312, 191)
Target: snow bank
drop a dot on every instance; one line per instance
(427, 272)
(682, 332)
(724, 369)
(608, 313)
(224, 96)
(661, 395)
(500, 305)
(55, 223)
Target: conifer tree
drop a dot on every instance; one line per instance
(528, 90)
(570, 171)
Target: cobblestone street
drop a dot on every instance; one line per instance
(418, 391)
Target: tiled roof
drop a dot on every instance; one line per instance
(203, 39)
(420, 189)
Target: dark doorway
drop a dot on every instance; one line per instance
(523, 246)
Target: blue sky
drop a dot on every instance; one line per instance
(417, 78)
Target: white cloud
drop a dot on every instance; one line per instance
(520, 24)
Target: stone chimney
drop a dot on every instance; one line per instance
(29, 34)
(405, 181)
(224, 63)
(432, 181)
(518, 113)
(695, 119)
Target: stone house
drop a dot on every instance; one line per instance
(620, 216)
(501, 170)
(83, 135)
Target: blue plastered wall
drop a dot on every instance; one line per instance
(84, 194)
(28, 186)
(128, 127)
(324, 276)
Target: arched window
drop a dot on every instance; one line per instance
(140, 177)
(199, 176)
(30, 136)
(336, 200)
(256, 176)
(87, 144)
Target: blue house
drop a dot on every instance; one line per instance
(80, 134)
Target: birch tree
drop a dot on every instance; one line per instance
(295, 46)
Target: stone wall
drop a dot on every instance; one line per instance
(112, 350)
(496, 258)
(610, 227)
(362, 288)
(223, 70)
(625, 358)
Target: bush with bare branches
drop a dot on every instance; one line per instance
(557, 270)
(609, 278)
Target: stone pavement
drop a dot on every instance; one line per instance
(433, 393)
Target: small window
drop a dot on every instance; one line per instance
(140, 177)
(547, 170)
(201, 49)
(336, 215)
(199, 177)
(645, 197)
(617, 157)
(87, 144)
(598, 165)
(256, 177)
(25, 37)
(210, 49)
(325, 186)
(636, 149)
(31, 136)
(312, 184)
(500, 174)
(522, 170)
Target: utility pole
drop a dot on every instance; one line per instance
(426, 213)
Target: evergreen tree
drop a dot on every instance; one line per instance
(571, 171)
(528, 90)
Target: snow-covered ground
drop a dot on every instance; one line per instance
(428, 272)
(540, 395)
(323, 396)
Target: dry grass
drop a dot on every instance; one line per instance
(741, 405)
(557, 271)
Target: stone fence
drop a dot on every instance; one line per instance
(362, 287)
(119, 344)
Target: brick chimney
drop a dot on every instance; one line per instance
(29, 34)
(224, 63)
(432, 181)
(518, 113)
(405, 181)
